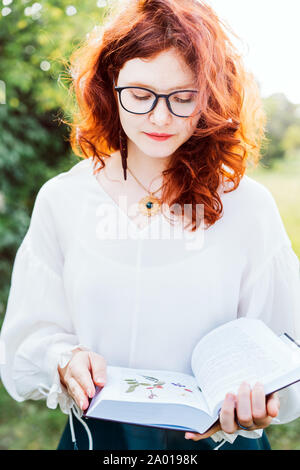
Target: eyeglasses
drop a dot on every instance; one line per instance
(138, 100)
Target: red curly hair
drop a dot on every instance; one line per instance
(231, 124)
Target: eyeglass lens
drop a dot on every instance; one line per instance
(135, 100)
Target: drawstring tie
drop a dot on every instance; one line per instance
(220, 445)
(83, 424)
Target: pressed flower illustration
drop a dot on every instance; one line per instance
(156, 384)
(178, 384)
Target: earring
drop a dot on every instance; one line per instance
(123, 150)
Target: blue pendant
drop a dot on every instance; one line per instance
(149, 205)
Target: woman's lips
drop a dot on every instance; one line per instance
(159, 138)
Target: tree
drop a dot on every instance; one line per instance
(33, 94)
(291, 141)
(281, 115)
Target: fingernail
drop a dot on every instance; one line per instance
(90, 393)
(230, 396)
(187, 436)
(259, 384)
(245, 385)
(100, 380)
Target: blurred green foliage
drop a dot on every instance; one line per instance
(36, 40)
(283, 129)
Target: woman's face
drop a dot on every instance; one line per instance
(165, 73)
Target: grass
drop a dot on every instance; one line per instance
(31, 425)
(28, 425)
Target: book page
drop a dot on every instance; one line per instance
(242, 350)
(136, 385)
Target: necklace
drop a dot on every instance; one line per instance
(148, 205)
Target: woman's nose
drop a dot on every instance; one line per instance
(161, 114)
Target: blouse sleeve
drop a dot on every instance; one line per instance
(37, 334)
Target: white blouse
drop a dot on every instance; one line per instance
(86, 275)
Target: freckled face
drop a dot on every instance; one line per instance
(165, 73)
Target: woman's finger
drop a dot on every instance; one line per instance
(227, 414)
(243, 406)
(98, 368)
(77, 393)
(83, 377)
(259, 410)
(79, 370)
(198, 437)
(273, 405)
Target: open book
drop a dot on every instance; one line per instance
(240, 350)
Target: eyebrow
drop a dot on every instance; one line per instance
(143, 85)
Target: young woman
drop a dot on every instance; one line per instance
(110, 273)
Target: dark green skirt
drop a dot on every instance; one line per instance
(112, 435)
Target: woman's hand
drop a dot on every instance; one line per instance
(250, 408)
(84, 370)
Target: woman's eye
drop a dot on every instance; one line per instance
(141, 97)
(184, 97)
(179, 100)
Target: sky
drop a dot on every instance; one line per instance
(270, 34)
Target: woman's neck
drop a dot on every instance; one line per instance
(148, 170)
(145, 168)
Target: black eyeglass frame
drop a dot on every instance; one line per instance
(157, 96)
